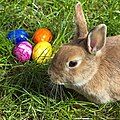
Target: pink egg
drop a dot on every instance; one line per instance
(23, 51)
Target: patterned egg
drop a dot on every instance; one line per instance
(23, 51)
(42, 34)
(42, 52)
(17, 36)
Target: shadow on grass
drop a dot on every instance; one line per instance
(34, 78)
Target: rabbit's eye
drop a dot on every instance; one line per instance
(72, 63)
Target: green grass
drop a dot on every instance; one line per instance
(25, 89)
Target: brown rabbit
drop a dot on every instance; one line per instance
(89, 64)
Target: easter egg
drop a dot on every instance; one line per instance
(42, 34)
(42, 52)
(17, 36)
(23, 51)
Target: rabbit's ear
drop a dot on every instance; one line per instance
(97, 38)
(81, 23)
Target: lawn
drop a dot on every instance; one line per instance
(26, 92)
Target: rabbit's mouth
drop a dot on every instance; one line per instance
(57, 81)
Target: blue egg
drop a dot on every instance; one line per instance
(17, 36)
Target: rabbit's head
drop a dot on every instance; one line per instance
(77, 62)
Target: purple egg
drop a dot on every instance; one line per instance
(23, 51)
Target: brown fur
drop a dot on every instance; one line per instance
(97, 76)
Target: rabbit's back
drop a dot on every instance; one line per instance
(110, 67)
(105, 84)
(113, 41)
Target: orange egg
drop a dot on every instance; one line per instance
(42, 34)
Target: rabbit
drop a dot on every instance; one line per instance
(89, 63)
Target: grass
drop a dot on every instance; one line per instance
(25, 89)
